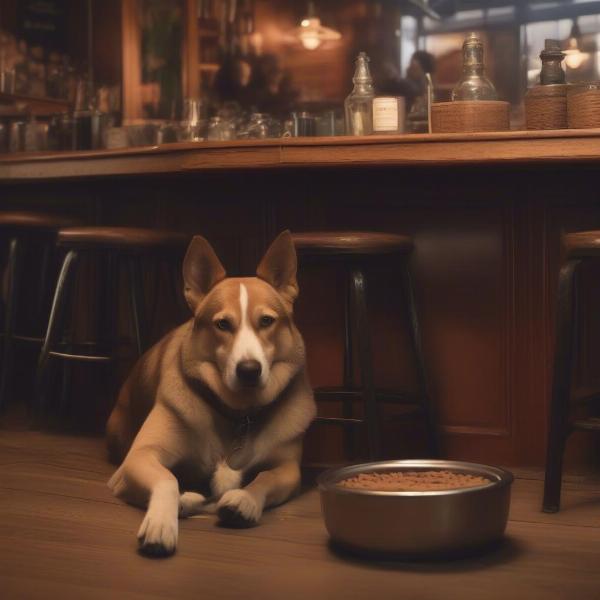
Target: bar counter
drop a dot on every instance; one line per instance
(485, 211)
(399, 150)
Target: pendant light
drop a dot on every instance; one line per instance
(574, 57)
(311, 33)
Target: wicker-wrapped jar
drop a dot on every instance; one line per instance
(546, 107)
(583, 105)
(466, 116)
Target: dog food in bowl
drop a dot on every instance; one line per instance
(414, 481)
(415, 508)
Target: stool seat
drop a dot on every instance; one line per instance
(23, 221)
(582, 244)
(354, 243)
(130, 238)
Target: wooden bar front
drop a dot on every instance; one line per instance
(485, 210)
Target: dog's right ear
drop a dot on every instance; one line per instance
(202, 270)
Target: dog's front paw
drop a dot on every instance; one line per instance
(190, 504)
(157, 535)
(238, 508)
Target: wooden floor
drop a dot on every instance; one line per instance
(62, 535)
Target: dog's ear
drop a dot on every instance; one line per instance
(202, 270)
(278, 266)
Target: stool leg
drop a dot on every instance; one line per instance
(14, 273)
(66, 333)
(111, 265)
(136, 291)
(347, 407)
(366, 363)
(43, 288)
(561, 386)
(415, 337)
(55, 324)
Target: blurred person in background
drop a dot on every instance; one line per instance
(270, 89)
(414, 85)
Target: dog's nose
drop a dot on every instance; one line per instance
(248, 372)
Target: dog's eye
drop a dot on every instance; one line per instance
(223, 325)
(266, 321)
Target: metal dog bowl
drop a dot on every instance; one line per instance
(415, 523)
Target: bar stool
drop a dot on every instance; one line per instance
(24, 230)
(116, 247)
(580, 247)
(353, 251)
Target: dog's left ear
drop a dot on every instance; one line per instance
(202, 270)
(278, 266)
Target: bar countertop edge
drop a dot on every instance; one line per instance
(524, 147)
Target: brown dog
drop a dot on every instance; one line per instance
(223, 398)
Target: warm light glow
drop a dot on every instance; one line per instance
(310, 41)
(574, 57)
(312, 34)
(256, 41)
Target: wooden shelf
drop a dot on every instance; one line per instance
(208, 66)
(38, 106)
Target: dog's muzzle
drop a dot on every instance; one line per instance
(248, 372)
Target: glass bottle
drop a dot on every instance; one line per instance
(473, 85)
(552, 57)
(359, 104)
(193, 122)
(82, 116)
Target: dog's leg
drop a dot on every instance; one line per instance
(144, 480)
(244, 507)
(224, 479)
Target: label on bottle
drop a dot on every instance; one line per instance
(385, 114)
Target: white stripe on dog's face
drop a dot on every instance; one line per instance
(246, 346)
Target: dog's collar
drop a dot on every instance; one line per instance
(239, 418)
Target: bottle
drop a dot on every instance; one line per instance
(82, 116)
(359, 104)
(546, 104)
(552, 57)
(193, 122)
(474, 85)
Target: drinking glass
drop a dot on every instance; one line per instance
(221, 129)
(193, 123)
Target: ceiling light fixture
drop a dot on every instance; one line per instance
(312, 34)
(574, 57)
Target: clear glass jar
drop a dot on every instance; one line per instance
(221, 129)
(258, 126)
(473, 85)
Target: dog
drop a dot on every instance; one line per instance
(224, 399)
